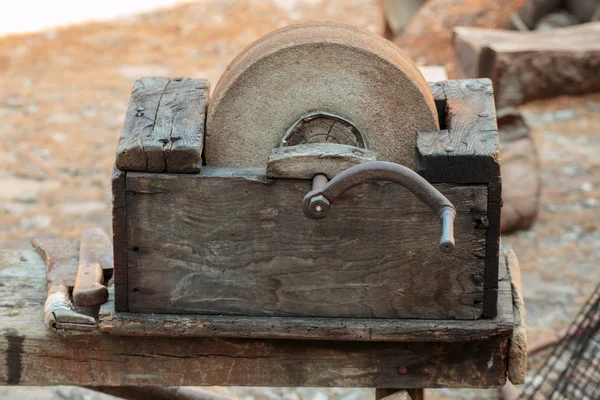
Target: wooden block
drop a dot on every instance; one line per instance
(466, 151)
(522, 65)
(517, 350)
(164, 126)
(520, 172)
(231, 242)
(306, 161)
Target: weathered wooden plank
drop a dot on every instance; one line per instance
(216, 243)
(306, 161)
(522, 65)
(139, 122)
(164, 126)
(466, 151)
(520, 172)
(176, 142)
(119, 228)
(31, 355)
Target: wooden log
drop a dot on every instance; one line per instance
(164, 126)
(230, 242)
(466, 152)
(31, 355)
(520, 172)
(306, 161)
(522, 65)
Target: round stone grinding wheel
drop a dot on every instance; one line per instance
(310, 68)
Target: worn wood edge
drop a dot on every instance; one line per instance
(305, 161)
(517, 345)
(119, 225)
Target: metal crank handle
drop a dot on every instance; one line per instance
(316, 203)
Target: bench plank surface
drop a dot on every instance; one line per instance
(32, 355)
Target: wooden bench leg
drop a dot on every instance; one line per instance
(399, 394)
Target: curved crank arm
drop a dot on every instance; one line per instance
(317, 202)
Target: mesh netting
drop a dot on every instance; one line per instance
(572, 371)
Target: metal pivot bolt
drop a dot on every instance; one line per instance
(316, 203)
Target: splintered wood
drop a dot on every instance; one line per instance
(164, 126)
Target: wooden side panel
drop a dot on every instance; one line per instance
(466, 152)
(217, 243)
(119, 224)
(164, 126)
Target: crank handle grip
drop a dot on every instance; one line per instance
(316, 203)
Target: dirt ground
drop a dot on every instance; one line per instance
(65, 93)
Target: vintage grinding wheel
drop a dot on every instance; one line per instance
(313, 83)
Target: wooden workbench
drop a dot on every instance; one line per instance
(30, 354)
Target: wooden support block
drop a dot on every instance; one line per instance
(526, 66)
(306, 161)
(520, 172)
(532, 11)
(466, 151)
(517, 349)
(231, 242)
(164, 126)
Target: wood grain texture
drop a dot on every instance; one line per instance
(32, 355)
(346, 329)
(305, 161)
(517, 349)
(119, 231)
(139, 123)
(164, 126)
(522, 65)
(466, 152)
(231, 242)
